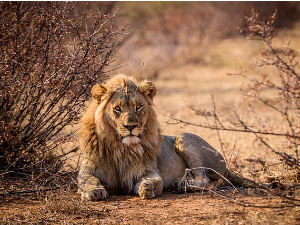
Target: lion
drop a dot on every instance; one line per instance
(124, 151)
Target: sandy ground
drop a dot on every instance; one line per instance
(169, 208)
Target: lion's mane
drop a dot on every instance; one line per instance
(118, 166)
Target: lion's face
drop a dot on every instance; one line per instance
(124, 105)
(127, 114)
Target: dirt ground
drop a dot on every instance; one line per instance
(169, 208)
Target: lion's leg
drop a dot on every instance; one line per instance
(150, 186)
(88, 185)
(200, 155)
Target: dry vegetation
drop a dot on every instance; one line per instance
(49, 62)
(185, 85)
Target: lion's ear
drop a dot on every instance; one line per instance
(98, 91)
(148, 88)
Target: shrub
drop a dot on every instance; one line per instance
(50, 54)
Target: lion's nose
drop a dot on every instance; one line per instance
(130, 128)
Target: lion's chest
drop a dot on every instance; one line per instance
(120, 170)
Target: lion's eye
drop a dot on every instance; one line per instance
(117, 108)
(138, 106)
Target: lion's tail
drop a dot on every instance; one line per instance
(241, 181)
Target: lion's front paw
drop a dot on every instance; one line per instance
(95, 194)
(149, 188)
(146, 189)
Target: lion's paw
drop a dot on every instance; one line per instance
(146, 189)
(95, 194)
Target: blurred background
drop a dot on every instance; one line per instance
(164, 35)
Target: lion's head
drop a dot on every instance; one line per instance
(126, 106)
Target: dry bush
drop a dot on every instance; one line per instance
(51, 54)
(271, 102)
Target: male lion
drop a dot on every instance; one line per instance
(124, 151)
